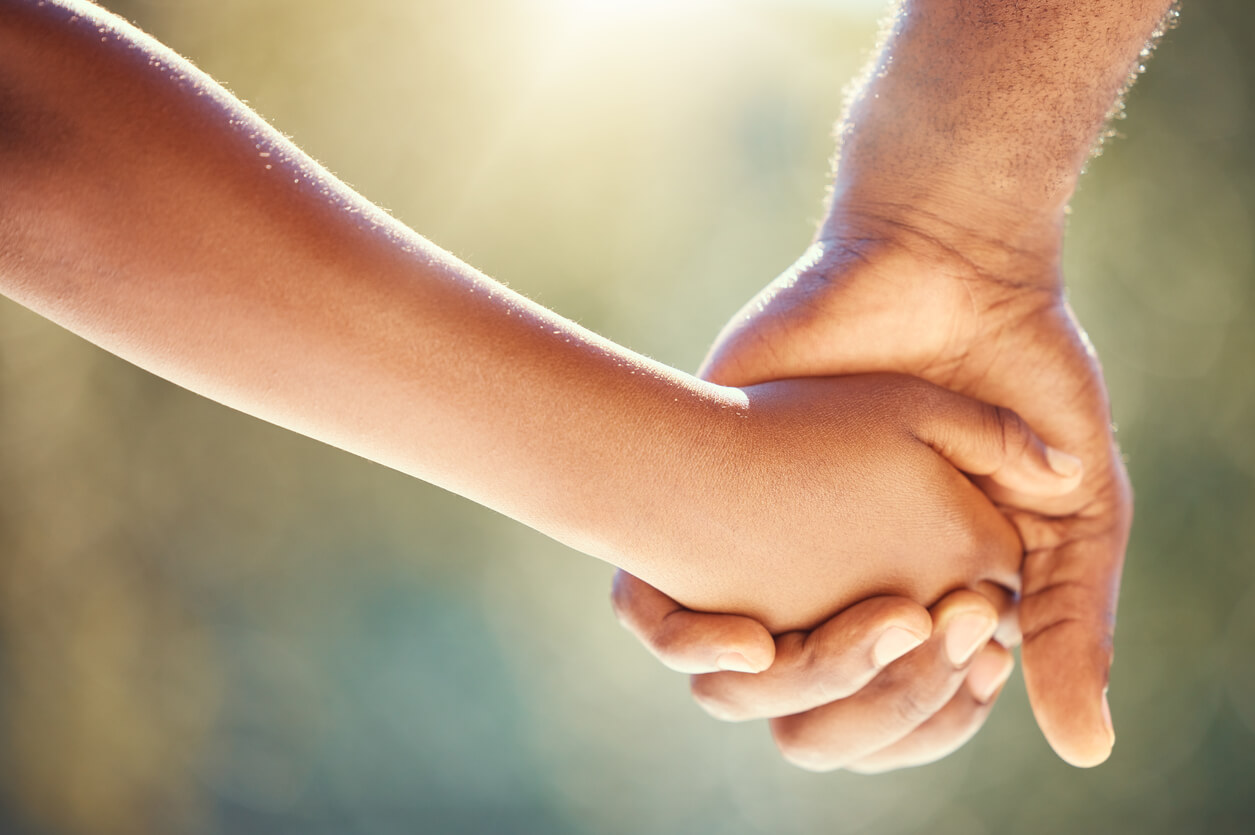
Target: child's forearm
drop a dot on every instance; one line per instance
(147, 210)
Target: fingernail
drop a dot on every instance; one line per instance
(1068, 466)
(893, 644)
(735, 662)
(1106, 717)
(988, 673)
(968, 633)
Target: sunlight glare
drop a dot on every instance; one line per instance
(603, 11)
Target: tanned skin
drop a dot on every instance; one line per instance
(940, 257)
(152, 213)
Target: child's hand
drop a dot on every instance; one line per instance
(819, 493)
(839, 696)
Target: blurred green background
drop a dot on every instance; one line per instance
(209, 625)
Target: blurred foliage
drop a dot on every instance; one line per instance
(210, 625)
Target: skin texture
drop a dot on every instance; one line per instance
(153, 214)
(940, 257)
(902, 717)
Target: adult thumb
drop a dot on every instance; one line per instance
(1067, 615)
(993, 441)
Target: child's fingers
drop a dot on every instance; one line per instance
(814, 668)
(992, 441)
(899, 700)
(688, 641)
(952, 726)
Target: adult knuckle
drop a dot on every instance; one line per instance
(714, 699)
(829, 679)
(1014, 431)
(824, 658)
(799, 748)
(666, 641)
(914, 707)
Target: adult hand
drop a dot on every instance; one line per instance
(839, 696)
(941, 259)
(878, 293)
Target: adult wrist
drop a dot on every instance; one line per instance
(951, 225)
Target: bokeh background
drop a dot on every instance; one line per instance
(209, 625)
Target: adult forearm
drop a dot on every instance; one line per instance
(149, 211)
(981, 113)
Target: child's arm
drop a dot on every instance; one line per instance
(149, 211)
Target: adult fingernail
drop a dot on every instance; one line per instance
(968, 633)
(893, 644)
(987, 674)
(1064, 464)
(735, 662)
(1106, 717)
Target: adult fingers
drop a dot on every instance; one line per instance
(993, 441)
(813, 668)
(897, 701)
(688, 641)
(1008, 605)
(837, 659)
(952, 726)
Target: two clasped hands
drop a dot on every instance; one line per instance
(897, 463)
(940, 259)
(948, 576)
